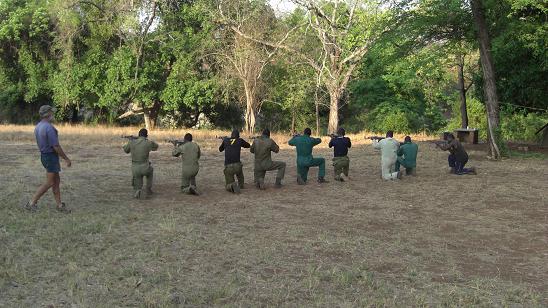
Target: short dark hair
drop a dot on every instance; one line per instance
(307, 131)
(407, 139)
(143, 132)
(450, 135)
(390, 134)
(188, 137)
(235, 134)
(266, 132)
(341, 131)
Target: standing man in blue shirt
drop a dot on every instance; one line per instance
(341, 162)
(47, 140)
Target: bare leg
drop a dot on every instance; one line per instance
(57, 190)
(50, 181)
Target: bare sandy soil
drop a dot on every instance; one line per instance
(435, 239)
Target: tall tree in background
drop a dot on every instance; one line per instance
(345, 31)
(490, 87)
(245, 59)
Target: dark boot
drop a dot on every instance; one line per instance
(322, 180)
(300, 180)
(278, 183)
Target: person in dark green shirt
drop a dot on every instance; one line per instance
(407, 156)
(305, 160)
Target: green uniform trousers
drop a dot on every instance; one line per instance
(262, 167)
(408, 170)
(341, 164)
(231, 170)
(140, 170)
(304, 163)
(188, 178)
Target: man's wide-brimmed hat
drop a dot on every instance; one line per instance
(45, 109)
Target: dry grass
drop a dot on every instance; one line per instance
(432, 240)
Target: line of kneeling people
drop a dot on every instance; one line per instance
(393, 156)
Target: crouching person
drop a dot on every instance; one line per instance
(389, 150)
(141, 167)
(190, 154)
(457, 156)
(407, 156)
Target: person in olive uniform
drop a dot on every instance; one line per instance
(305, 160)
(140, 149)
(458, 157)
(341, 162)
(407, 156)
(190, 153)
(233, 166)
(263, 147)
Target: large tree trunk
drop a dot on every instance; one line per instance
(462, 91)
(489, 85)
(334, 97)
(149, 123)
(250, 109)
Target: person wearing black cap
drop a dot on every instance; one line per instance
(305, 160)
(341, 162)
(263, 147)
(140, 149)
(233, 166)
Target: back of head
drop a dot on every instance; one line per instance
(307, 131)
(188, 137)
(266, 132)
(389, 134)
(235, 134)
(143, 132)
(407, 139)
(341, 131)
(450, 137)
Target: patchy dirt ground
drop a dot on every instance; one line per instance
(435, 239)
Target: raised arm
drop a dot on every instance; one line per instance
(274, 147)
(245, 144)
(222, 146)
(252, 149)
(127, 147)
(331, 143)
(376, 144)
(176, 151)
(349, 142)
(292, 141)
(153, 146)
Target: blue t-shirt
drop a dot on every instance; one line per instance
(46, 137)
(341, 145)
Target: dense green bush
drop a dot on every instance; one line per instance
(514, 125)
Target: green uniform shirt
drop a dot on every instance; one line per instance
(409, 152)
(304, 146)
(190, 151)
(140, 149)
(263, 147)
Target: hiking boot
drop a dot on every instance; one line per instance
(235, 188)
(399, 175)
(137, 194)
(63, 208)
(193, 191)
(260, 184)
(322, 180)
(278, 183)
(31, 207)
(300, 180)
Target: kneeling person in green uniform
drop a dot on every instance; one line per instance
(190, 153)
(341, 162)
(263, 147)
(233, 166)
(305, 160)
(140, 149)
(407, 156)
